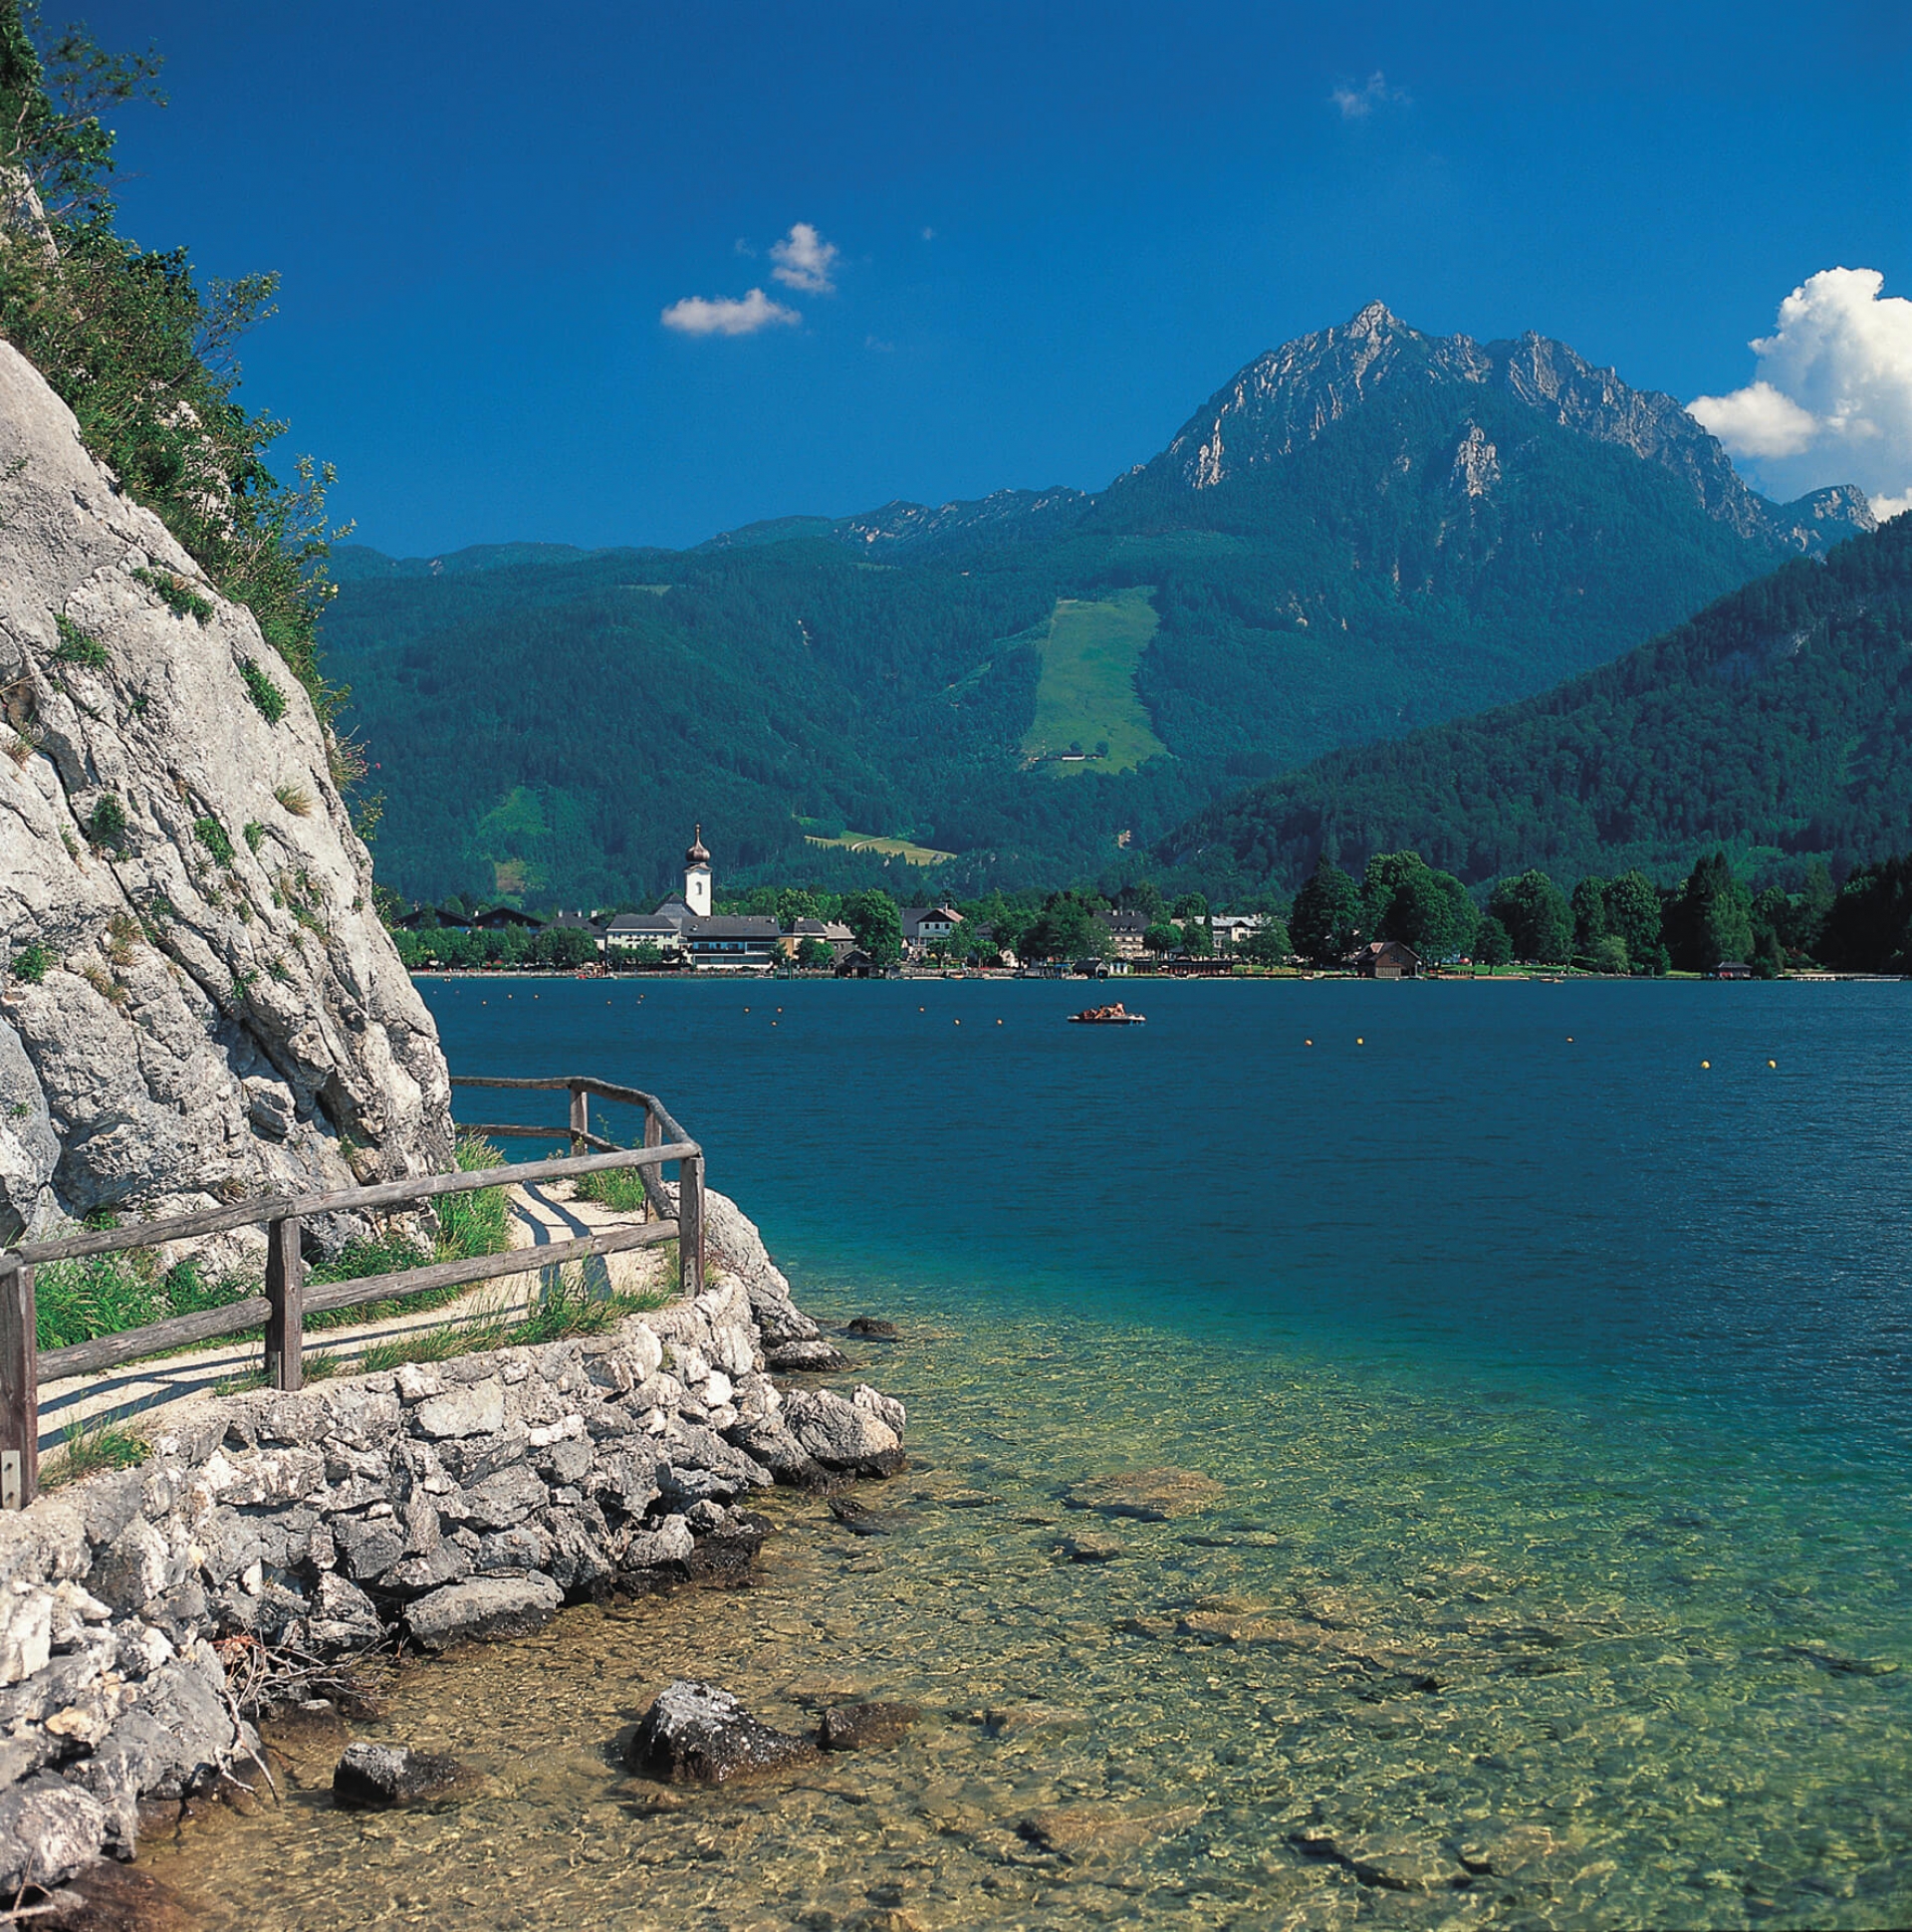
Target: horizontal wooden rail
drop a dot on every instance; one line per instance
(271, 1207)
(282, 1309)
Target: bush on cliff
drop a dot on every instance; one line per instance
(139, 352)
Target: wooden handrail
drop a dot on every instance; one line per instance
(283, 1308)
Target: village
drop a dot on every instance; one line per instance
(874, 937)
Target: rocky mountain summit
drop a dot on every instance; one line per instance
(201, 1001)
(1287, 399)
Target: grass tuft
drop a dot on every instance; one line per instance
(295, 798)
(76, 647)
(97, 1445)
(619, 1188)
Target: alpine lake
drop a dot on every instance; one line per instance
(1548, 1344)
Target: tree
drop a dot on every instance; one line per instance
(1608, 955)
(815, 953)
(1491, 946)
(1869, 928)
(1711, 920)
(1268, 945)
(1631, 905)
(1405, 898)
(1589, 915)
(1067, 929)
(1540, 925)
(1327, 920)
(1191, 906)
(1198, 937)
(1162, 937)
(879, 926)
(794, 903)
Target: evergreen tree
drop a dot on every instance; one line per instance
(1711, 920)
(1491, 946)
(1589, 915)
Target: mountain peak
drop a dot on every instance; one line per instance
(1377, 319)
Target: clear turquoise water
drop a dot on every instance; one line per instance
(1556, 1382)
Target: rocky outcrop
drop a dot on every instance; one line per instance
(1287, 399)
(456, 1502)
(201, 1002)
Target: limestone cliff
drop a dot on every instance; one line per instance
(201, 1002)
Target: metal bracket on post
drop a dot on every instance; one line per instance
(286, 1295)
(19, 1387)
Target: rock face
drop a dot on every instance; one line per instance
(442, 1503)
(696, 1734)
(220, 1011)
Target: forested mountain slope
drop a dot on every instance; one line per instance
(1776, 724)
(1367, 532)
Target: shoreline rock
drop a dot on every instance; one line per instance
(696, 1734)
(442, 1503)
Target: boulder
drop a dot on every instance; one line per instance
(376, 1777)
(814, 1356)
(483, 1610)
(1150, 1495)
(47, 1831)
(865, 1727)
(841, 1434)
(874, 1329)
(696, 1734)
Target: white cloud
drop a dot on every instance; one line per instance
(1832, 399)
(1357, 104)
(695, 317)
(805, 260)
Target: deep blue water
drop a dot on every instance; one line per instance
(1535, 1189)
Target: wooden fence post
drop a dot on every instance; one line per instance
(286, 1291)
(579, 1120)
(690, 1225)
(19, 1387)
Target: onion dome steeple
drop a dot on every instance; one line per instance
(697, 855)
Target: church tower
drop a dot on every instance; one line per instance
(697, 876)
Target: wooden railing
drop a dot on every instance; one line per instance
(287, 1301)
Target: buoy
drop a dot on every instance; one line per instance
(999, 1023)
(1358, 1040)
(1308, 1042)
(1771, 1062)
(1703, 1064)
(959, 1023)
(1569, 1039)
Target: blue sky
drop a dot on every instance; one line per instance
(1058, 230)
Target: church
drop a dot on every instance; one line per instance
(684, 925)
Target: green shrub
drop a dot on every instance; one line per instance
(30, 963)
(268, 700)
(76, 648)
(254, 835)
(106, 825)
(177, 595)
(212, 835)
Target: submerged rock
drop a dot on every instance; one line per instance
(1150, 1495)
(874, 1329)
(865, 1727)
(696, 1734)
(484, 1609)
(1087, 1833)
(1018, 1720)
(1090, 1549)
(374, 1777)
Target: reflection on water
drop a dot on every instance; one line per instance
(1439, 1656)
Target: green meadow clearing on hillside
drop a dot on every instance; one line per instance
(902, 848)
(1086, 701)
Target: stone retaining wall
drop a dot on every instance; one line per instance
(459, 1500)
